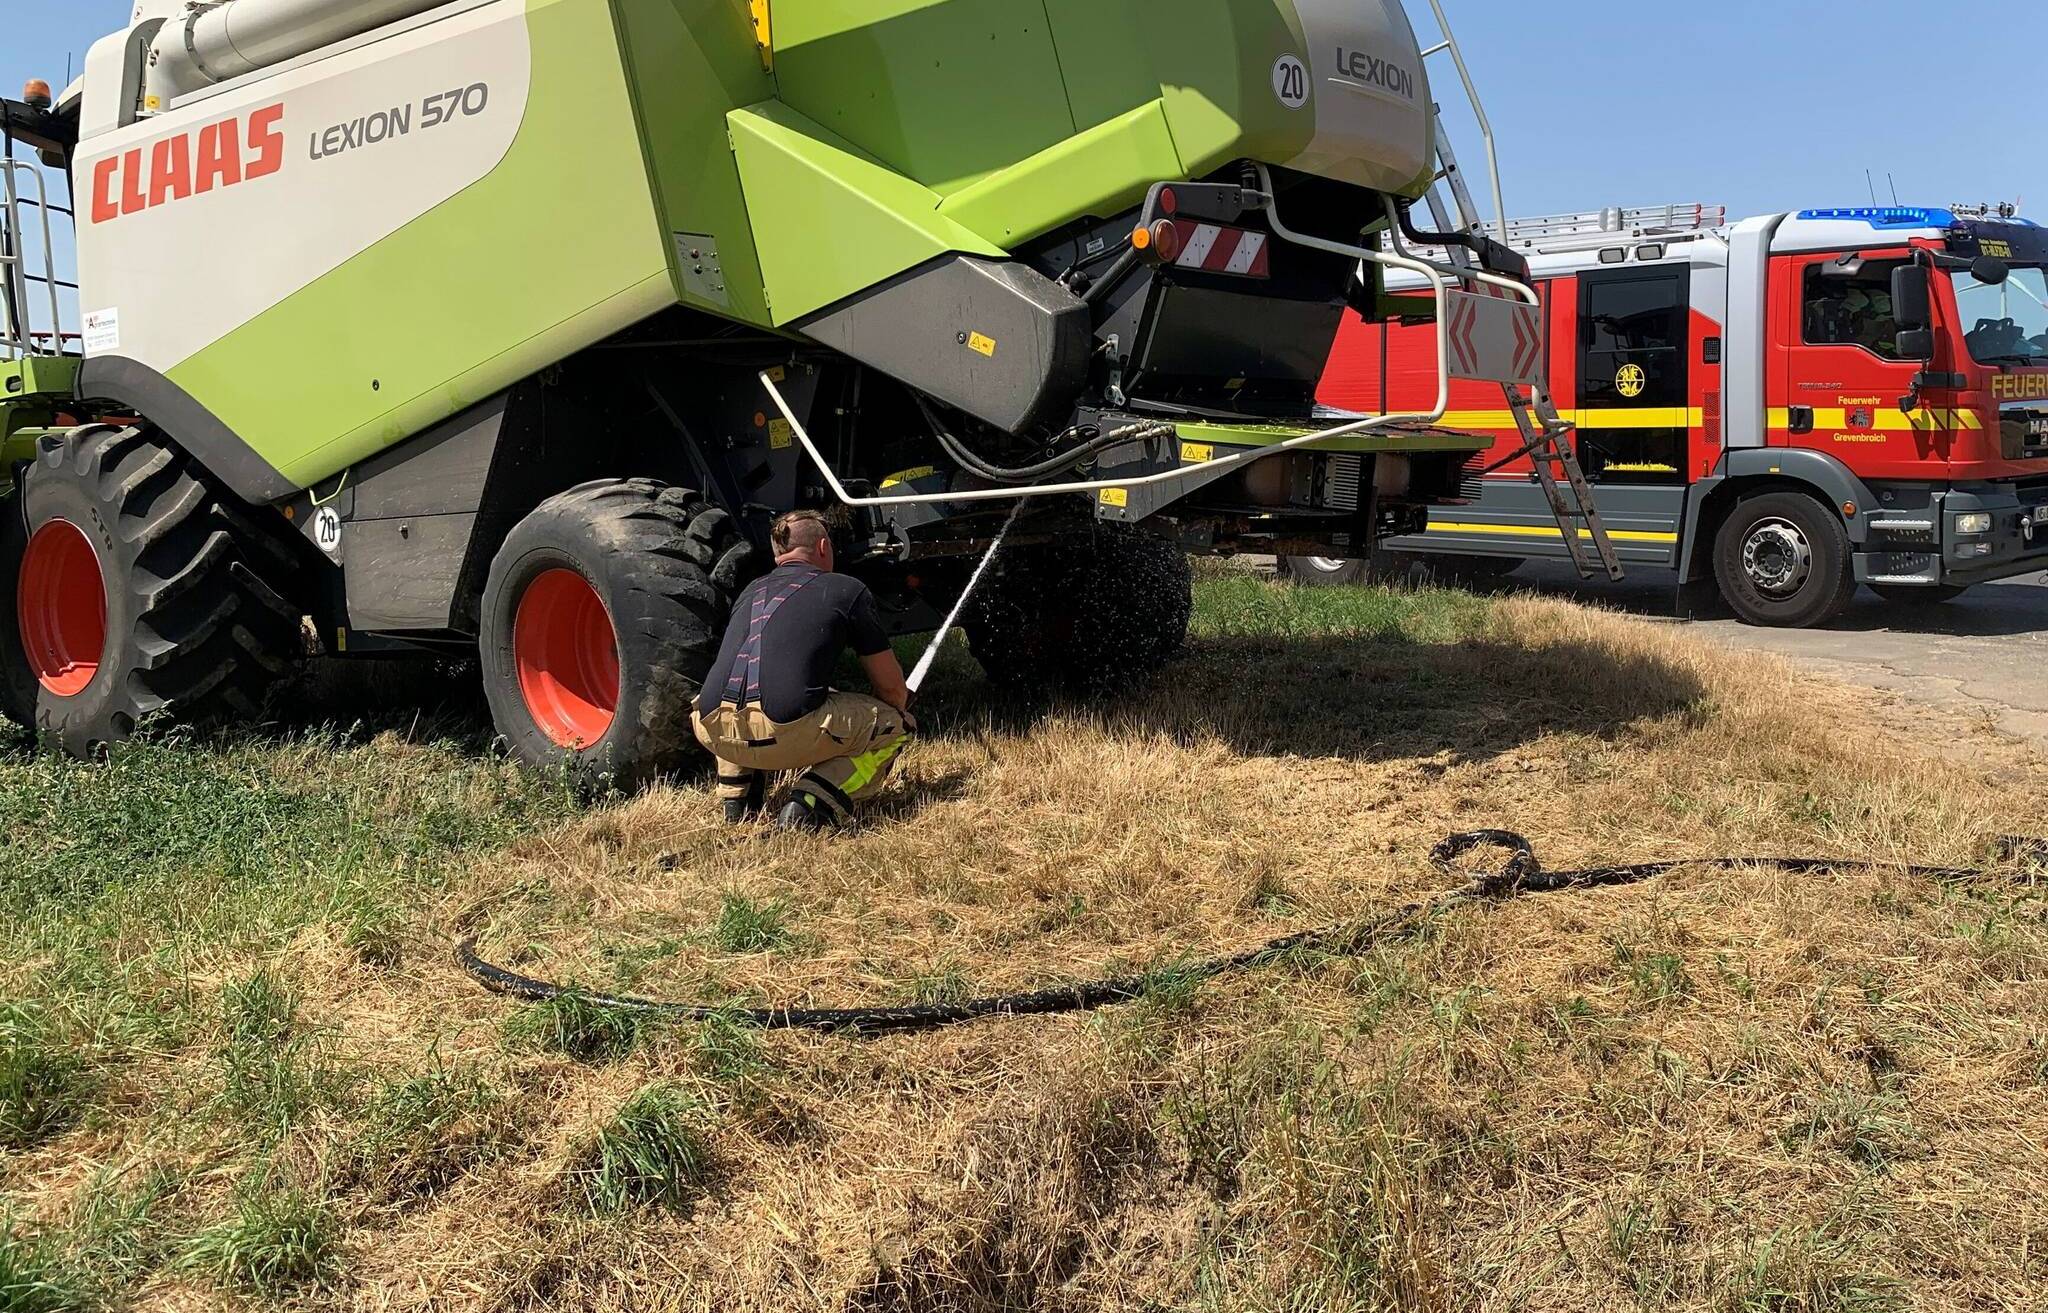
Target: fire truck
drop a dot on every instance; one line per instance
(1790, 406)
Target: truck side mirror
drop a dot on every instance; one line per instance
(1990, 270)
(1912, 301)
(1916, 343)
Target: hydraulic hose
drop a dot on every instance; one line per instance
(1102, 442)
(1520, 875)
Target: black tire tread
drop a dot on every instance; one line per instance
(680, 559)
(211, 624)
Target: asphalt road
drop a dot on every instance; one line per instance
(1986, 652)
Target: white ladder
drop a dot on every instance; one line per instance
(19, 336)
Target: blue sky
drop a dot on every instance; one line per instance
(1759, 106)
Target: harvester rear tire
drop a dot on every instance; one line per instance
(604, 611)
(132, 586)
(1083, 618)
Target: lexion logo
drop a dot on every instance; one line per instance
(1375, 72)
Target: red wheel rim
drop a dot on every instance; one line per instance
(567, 657)
(61, 607)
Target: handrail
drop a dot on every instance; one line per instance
(18, 334)
(1457, 53)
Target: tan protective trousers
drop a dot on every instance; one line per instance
(845, 748)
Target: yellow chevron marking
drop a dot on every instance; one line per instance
(1830, 418)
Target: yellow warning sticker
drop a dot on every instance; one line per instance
(780, 434)
(981, 344)
(908, 476)
(1195, 453)
(776, 374)
(1116, 497)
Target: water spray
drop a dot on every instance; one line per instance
(931, 654)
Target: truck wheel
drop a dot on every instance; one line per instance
(1783, 561)
(131, 586)
(1085, 617)
(1900, 595)
(604, 610)
(1325, 571)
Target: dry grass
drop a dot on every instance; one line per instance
(1733, 1092)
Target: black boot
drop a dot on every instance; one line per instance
(804, 812)
(740, 810)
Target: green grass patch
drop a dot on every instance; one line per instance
(274, 1071)
(279, 1239)
(419, 1134)
(573, 1024)
(653, 1153)
(750, 925)
(34, 1277)
(43, 1080)
(1244, 606)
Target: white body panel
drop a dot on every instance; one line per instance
(204, 254)
(1369, 92)
(1746, 358)
(215, 45)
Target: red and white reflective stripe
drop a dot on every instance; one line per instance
(1215, 249)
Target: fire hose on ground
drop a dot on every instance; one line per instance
(1520, 875)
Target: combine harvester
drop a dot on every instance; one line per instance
(505, 327)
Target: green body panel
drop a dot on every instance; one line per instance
(34, 377)
(690, 63)
(944, 94)
(838, 222)
(1102, 170)
(32, 391)
(1391, 440)
(330, 376)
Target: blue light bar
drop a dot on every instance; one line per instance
(1888, 216)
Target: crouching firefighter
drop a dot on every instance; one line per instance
(768, 704)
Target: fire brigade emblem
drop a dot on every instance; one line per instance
(1631, 381)
(1860, 417)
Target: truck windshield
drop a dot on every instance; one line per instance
(2006, 324)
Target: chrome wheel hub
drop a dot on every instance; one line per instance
(1777, 557)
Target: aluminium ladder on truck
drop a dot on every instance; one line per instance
(1545, 434)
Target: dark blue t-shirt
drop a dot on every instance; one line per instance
(802, 641)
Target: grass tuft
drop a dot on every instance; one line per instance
(652, 1153)
(43, 1083)
(418, 1135)
(280, 1239)
(747, 925)
(574, 1025)
(274, 1072)
(34, 1278)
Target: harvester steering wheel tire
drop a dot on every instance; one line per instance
(604, 610)
(1083, 617)
(1783, 561)
(130, 586)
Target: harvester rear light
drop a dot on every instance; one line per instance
(1166, 242)
(1218, 249)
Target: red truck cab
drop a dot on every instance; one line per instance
(1791, 406)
